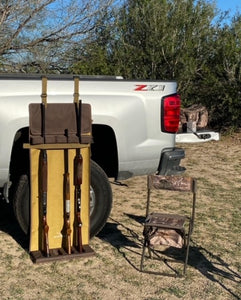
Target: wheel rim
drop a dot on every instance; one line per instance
(92, 200)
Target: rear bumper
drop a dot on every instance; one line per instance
(170, 161)
(197, 137)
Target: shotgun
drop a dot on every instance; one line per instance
(43, 187)
(67, 202)
(78, 165)
(44, 201)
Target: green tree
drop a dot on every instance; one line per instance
(163, 39)
(222, 76)
(154, 39)
(94, 55)
(187, 41)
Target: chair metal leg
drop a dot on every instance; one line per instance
(187, 248)
(142, 255)
(149, 252)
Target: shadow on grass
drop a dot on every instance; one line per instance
(211, 266)
(9, 225)
(208, 264)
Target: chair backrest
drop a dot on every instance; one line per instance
(172, 183)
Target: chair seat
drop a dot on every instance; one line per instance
(165, 221)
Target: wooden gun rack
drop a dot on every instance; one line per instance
(57, 236)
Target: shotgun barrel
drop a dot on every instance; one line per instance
(67, 202)
(44, 179)
(78, 165)
(67, 212)
(44, 171)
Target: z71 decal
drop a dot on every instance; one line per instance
(149, 87)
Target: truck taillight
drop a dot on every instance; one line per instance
(171, 113)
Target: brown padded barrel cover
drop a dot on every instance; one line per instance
(60, 124)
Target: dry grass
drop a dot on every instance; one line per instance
(214, 270)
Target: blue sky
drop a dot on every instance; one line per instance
(229, 5)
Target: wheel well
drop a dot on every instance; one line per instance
(19, 163)
(104, 149)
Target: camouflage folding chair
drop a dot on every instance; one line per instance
(168, 229)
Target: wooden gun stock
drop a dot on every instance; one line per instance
(78, 165)
(44, 179)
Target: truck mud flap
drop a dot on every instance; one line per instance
(170, 161)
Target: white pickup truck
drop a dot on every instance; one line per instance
(134, 130)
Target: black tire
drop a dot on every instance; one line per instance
(101, 188)
(21, 203)
(101, 201)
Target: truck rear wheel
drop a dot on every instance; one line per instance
(100, 201)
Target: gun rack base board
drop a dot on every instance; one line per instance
(61, 254)
(57, 233)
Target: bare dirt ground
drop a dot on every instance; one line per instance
(214, 269)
